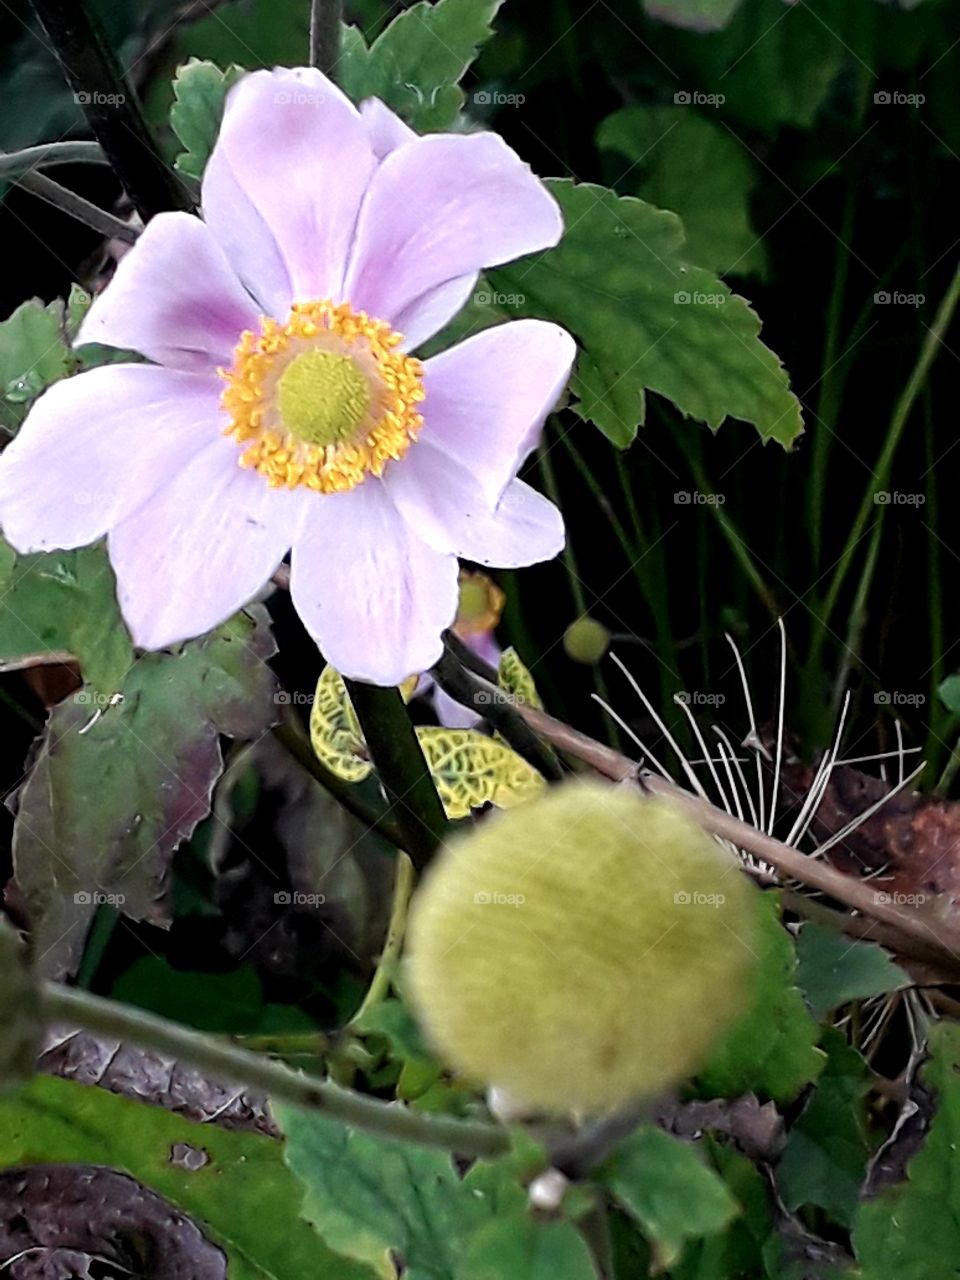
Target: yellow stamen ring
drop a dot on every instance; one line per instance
(324, 400)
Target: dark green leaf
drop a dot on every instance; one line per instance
(373, 1199)
(118, 783)
(236, 1185)
(666, 1187)
(832, 969)
(648, 321)
(772, 1050)
(416, 64)
(516, 1245)
(911, 1231)
(825, 1158)
(64, 602)
(682, 161)
(200, 90)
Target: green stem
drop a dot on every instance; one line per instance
(110, 105)
(326, 24)
(69, 202)
(402, 889)
(227, 1062)
(399, 760)
(901, 415)
(15, 163)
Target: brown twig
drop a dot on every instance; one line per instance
(915, 931)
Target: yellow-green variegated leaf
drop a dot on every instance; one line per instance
(514, 678)
(335, 731)
(471, 770)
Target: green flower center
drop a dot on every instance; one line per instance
(323, 398)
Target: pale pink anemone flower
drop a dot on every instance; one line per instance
(283, 411)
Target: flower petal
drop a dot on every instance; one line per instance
(440, 208)
(174, 298)
(96, 446)
(488, 397)
(384, 127)
(373, 596)
(201, 548)
(449, 510)
(284, 184)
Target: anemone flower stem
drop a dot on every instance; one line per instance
(60, 1004)
(110, 105)
(898, 421)
(402, 889)
(13, 164)
(400, 762)
(69, 202)
(326, 20)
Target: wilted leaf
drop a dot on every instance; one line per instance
(200, 90)
(682, 161)
(825, 1158)
(416, 64)
(911, 1231)
(666, 1187)
(236, 1184)
(19, 1012)
(55, 1219)
(772, 1050)
(147, 1076)
(621, 282)
(832, 969)
(118, 783)
(64, 602)
(471, 770)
